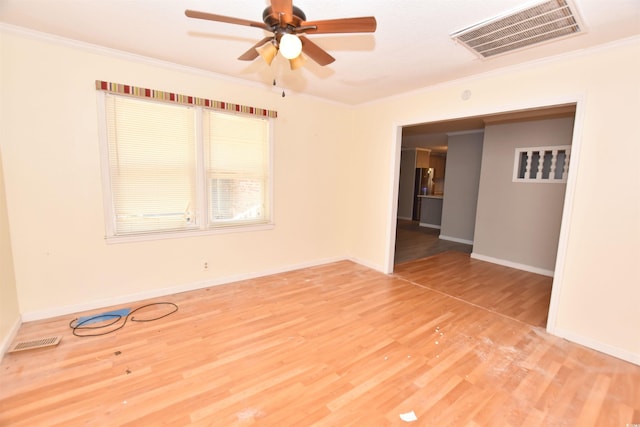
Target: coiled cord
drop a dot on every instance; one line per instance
(81, 326)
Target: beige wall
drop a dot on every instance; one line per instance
(52, 180)
(52, 176)
(519, 222)
(9, 312)
(598, 278)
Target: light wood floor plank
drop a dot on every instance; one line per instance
(331, 345)
(518, 294)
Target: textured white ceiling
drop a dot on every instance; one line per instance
(411, 48)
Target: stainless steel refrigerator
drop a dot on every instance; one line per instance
(423, 186)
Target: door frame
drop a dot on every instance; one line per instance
(567, 209)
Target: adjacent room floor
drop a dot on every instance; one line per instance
(415, 242)
(334, 345)
(517, 294)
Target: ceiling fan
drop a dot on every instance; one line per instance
(289, 25)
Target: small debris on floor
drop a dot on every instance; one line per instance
(409, 417)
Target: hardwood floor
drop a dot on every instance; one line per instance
(334, 345)
(514, 293)
(415, 242)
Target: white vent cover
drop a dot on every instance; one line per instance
(536, 24)
(36, 343)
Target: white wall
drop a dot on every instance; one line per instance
(596, 294)
(461, 181)
(53, 186)
(9, 312)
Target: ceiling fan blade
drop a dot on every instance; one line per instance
(282, 8)
(315, 52)
(227, 19)
(252, 53)
(365, 24)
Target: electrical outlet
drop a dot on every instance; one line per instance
(205, 266)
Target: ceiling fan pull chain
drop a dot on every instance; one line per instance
(274, 85)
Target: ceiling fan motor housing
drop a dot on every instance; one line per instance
(273, 20)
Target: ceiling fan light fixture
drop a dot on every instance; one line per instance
(297, 62)
(267, 51)
(290, 46)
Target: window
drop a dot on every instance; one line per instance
(237, 168)
(542, 164)
(170, 168)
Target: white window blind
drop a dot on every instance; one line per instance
(172, 167)
(237, 162)
(152, 164)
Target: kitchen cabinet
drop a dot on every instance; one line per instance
(423, 158)
(438, 162)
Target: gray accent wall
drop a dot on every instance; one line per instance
(461, 181)
(519, 222)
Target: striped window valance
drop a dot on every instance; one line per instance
(181, 99)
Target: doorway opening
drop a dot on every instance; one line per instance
(431, 135)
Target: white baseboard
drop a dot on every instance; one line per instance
(407, 218)
(8, 339)
(367, 264)
(598, 346)
(512, 264)
(140, 296)
(456, 239)
(424, 224)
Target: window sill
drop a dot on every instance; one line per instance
(189, 233)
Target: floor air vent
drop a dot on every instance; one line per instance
(33, 344)
(546, 21)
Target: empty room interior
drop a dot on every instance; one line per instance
(423, 213)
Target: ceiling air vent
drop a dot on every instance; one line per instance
(542, 22)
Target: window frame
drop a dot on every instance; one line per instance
(203, 226)
(550, 179)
